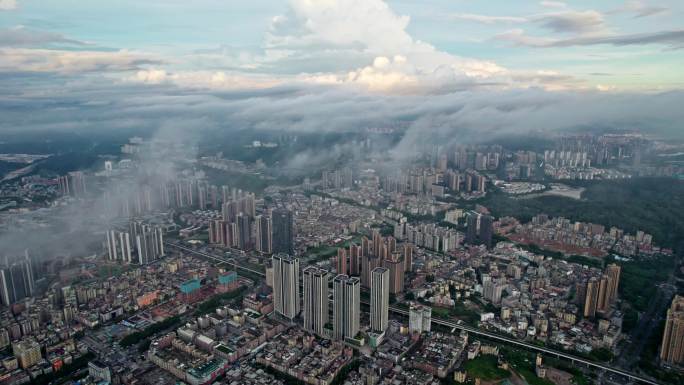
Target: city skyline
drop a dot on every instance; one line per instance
(406, 251)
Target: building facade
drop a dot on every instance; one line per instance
(346, 306)
(315, 309)
(672, 346)
(286, 285)
(380, 290)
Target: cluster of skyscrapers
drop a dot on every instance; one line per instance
(346, 298)
(73, 184)
(468, 182)
(598, 150)
(346, 307)
(458, 174)
(128, 201)
(235, 227)
(338, 178)
(480, 229)
(240, 228)
(479, 158)
(142, 244)
(420, 318)
(361, 260)
(428, 235)
(17, 280)
(417, 182)
(598, 294)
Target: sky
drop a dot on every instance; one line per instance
(486, 66)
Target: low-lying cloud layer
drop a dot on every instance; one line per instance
(101, 105)
(337, 65)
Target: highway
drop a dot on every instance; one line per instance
(216, 258)
(470, 329)
(454, 325)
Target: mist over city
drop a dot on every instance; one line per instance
(341, 192)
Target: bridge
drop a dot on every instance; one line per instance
(529, 346)
(457, 326)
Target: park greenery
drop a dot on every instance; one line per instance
(485, 367)
(217, 300)
(653, 205)
(321, 253)
(245, 181)
(639, 279)
(578, 376)
(580, 259)
(649, 358)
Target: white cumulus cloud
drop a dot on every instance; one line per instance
(8, 5)
(371, 42)
(552, 4)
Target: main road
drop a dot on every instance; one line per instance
(470, 329)
(454, 325)
(228, 261)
